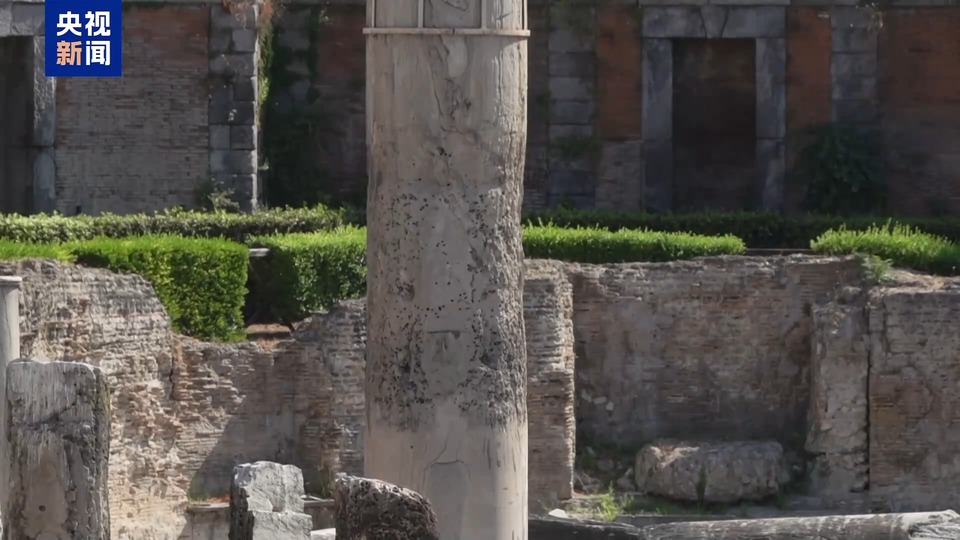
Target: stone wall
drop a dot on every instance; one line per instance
(717, 348)
(601, 131)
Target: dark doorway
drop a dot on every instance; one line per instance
(16, 125)
(714, 125)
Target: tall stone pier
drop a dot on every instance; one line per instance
(59, 445)
(9, 351)
(446, 366)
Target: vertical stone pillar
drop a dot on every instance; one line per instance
(853, 66)
(59, 445)
(9, 351)
(446, 362)
(233, 101)
(266, 502)
(657, 120)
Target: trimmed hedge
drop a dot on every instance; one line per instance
(757, 229)
(307, 272)
(188, 223)
(12, 251)
(899, 244)
(600, 246)
(200, 282)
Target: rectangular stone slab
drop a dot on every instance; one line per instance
(59, 446)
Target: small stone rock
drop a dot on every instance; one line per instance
(558, 513)
(625, 482)
(368, 508)
(725, 472)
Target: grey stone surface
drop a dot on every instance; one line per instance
(572, 112)
(59, 437)
(368, 508)
(233, 161)
(657, 96)
(854, 30)
(244, 40)
(714, 19)
(572, 64)
(856, 111)
(755, 22)
(6, 19)
(266, 503)
(243, 138)
(570, 89)
(658, 175)
(771, 170)
(555, 528)
(45, 180)
(26, 20)
(672, 22)
(44, 98)
(240, 17)
(722, 472)
(853, 87)
(220, 40)
(245, 89)
(854, 64)
(233, 65)
(220, 137)
(771, 89)
(565, 40)
(620, 175)
(324, 534)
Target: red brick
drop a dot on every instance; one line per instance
(920, 108)
(619, 77)
(808, 83)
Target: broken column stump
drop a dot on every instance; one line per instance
(266, 503)
(59, 447)
(911, 526)
(368, 509)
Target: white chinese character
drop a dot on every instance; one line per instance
(68, 22)
(98, 52)
(98, 23)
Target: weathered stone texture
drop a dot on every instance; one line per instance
(717, 348)
(548, 316)
(266, 503)
(712, 472)
(369, 508)
(59, 436)
(913, 399)
(837, 430)
(151, 124)
(115, 322)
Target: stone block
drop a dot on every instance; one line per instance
(714, 18)
(44, 180)
(853, 30)
(6, 19)
(672, 22)
(555, 528)
(575, 64)
(324, 534)
(568, 182)
(220, 137)
(244, 40)
(657, 105)
(853, 87)
(566, 133)
(572, 112)
(620, 175)
(233, 161)
(853, 65)
(569, 41)
(243, 137)
(44, 98)
(232, 112)
(219, 40)
(853, 112)
(59, 436)
(771, 88)
(26, 20)
(266, 502)
(245, 89)
(369, 508)
(658, 175)
(723, 472)
(233, 65)
(772, 171)
(222, 18)
(756, 22)
(571, 89)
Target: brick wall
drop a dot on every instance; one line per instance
(139, 142)
(919, 92)
(717, 349)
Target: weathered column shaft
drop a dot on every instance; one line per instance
(9, 351)
(446, 366)
(59, 446)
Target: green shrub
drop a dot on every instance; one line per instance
(189, 223)
(757, 229)
(602, 246)
(11, 251)
(900, 244)
(307, 272)
(200, 282)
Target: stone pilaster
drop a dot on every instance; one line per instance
(853, 66)
(266, 501)
(572, 74)
(233, 48)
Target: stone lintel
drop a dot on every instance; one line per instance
(720, 21)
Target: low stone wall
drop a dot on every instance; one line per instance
(717, 348)
(212, 521)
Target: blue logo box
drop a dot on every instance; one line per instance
(84, 38)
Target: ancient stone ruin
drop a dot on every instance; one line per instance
(762, 386)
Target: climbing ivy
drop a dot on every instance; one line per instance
(292, 134)
(843, 172)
